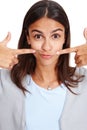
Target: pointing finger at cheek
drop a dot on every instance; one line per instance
(23, 51)
(66, 51)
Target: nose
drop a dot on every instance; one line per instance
(46, 46)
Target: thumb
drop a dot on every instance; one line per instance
(85, 33)
(6, 40)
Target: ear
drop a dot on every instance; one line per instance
(28, 39)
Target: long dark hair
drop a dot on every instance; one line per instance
(27, 62)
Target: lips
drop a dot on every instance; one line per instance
(45, 56)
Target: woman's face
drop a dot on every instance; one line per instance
(46, 36)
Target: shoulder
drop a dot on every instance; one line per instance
(6, 84)
(11, 99)
(82, 85)
(81, 71)
(4, 73)
(5, 78)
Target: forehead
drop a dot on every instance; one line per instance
(46, 24)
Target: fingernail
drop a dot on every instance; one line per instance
(57, 52)
(34, 51)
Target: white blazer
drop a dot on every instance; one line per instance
(12, 105)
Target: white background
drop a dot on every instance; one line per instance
(12, 13)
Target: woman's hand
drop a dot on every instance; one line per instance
(80, 52)
(8, 57)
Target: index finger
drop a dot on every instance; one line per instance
(68, 50)
(23, 51)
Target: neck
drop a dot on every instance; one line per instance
(45, 77)
(45, 73)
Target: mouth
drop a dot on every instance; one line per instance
(46, 56)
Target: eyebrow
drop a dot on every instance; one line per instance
(35, 30)
(58, 29)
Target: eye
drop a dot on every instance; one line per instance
(55, 36)
(38, 36)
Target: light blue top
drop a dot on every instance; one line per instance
(44, 107)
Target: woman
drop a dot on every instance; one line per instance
(42, 92)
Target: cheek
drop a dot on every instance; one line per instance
(59, 46)
(62, 43)
(35, 45)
